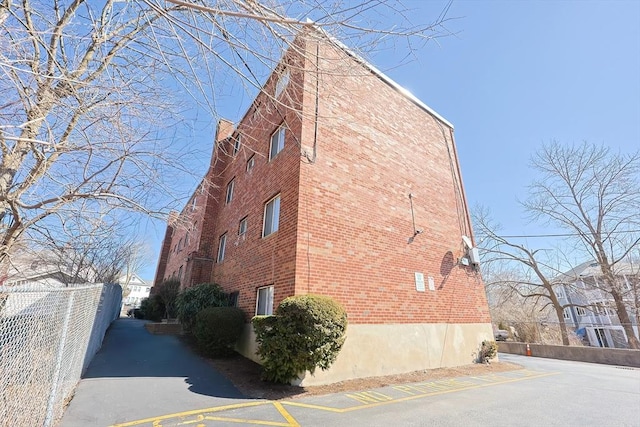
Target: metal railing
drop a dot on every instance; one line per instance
(47, 339)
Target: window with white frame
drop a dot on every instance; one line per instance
(581, 311)
(566, 313)
(251, 163)
(242, 227)
(277, 142)
(283, 81)
(559, 292)
(230, 186)
(271, 216)
(221, 247)
(193, 203)
(236, 145)
(264, 301)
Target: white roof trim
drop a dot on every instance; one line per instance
(383, 76)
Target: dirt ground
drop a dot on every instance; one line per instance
(245, 375)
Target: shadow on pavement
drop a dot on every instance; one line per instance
(128, 350)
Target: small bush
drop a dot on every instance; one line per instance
(168, 291)
(217, 329)
(488, 351)
(152, 308)
(194, 299)
(306, 333)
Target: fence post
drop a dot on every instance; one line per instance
(56, 373)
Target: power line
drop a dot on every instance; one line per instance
(561, 234)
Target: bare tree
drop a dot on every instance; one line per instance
(82, 251)
(594, 194)
(88, 90)
(513, 267)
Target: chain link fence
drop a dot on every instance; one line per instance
(47, 339)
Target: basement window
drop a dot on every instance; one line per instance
(264, 301)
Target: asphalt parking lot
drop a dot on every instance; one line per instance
(174, 389)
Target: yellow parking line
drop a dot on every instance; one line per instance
(287, 416)
(194, 412)
(247, 421)
(413, 397)
(369, 398)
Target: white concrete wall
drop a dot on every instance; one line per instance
(377, 350)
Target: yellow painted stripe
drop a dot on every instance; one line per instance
(246, 421)
(413, 397)
(287, 416)
(194, 412)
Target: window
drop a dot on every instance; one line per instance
(251, 163)
(242, 228)
(581, 311)
(271, 216)
(221, 246)
(236, 145)
(566, 313)
(559, 292)
(193, 204)
(277, 142)
(233, 298)
(180, 273)
(264, 301)
(229, 197)
(283, 81)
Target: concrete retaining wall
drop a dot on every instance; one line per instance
(607, 356)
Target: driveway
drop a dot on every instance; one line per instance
(162, 389)
(138, 375)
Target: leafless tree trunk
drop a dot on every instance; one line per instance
(87, 88)
(595, 194)
(524, 271)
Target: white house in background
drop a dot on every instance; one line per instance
(40, 269)
(597, 322)
(134, 290)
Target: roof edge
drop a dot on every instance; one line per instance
(388, 80)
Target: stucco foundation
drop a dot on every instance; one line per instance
(376, 350)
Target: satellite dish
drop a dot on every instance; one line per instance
(467, 242)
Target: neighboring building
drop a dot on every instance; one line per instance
(596, 319)
(134, 289)
(316, 192)
(40, 269)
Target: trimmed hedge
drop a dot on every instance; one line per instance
(306, 333)
(217, 329)
(152, 308)
(196, 298)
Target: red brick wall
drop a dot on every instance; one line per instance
(252, 261)
(345, 215)
(375, 147)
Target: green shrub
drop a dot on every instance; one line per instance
(488, 351)
(152, 308)
(306, 333)
(168, 291)
(217, 329)
(194, 299)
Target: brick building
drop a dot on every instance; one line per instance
(317, 190)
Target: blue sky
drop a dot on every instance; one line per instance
(516, 74)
